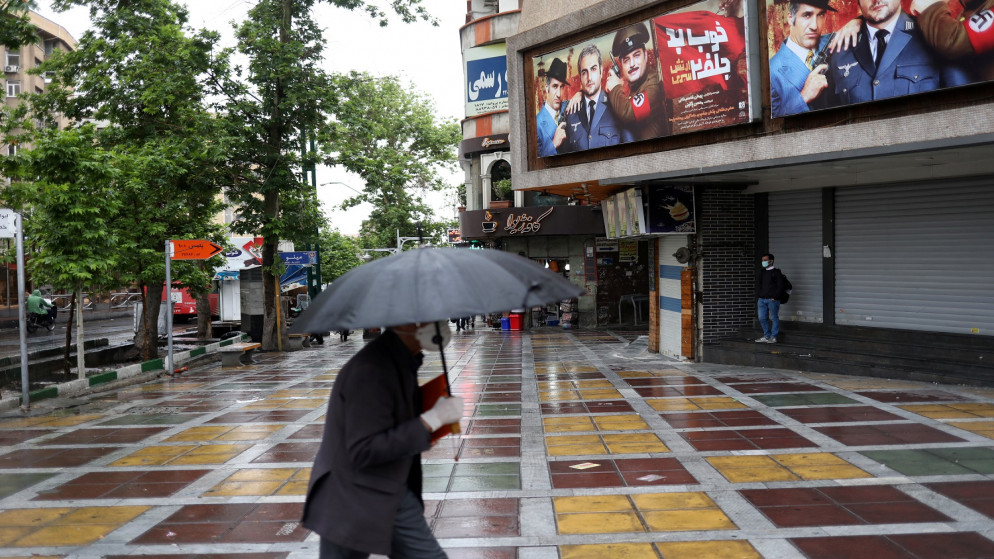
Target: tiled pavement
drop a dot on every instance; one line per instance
(573, 448)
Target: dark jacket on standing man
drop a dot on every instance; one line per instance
(771, 283)
(370, 453)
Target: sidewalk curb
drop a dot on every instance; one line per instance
(93, 383)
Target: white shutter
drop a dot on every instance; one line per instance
(796, 244)
(916, 257)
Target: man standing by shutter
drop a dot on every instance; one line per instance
(771, 286)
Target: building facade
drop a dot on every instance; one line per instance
(876, 195)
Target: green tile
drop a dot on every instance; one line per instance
(436, 470)
(488, 469)
(979, 459)
(435, 485)
(492, 410)
(803, 399)
(485, 483)
(916, 462)
(12, 483)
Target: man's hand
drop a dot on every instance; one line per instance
(446, 410)
(815, 84)
(559, 136)
(574, 103)
(919, 6)
(845, 37)
(612, 80)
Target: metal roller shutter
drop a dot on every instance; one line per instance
(796, 243)
(916, 257)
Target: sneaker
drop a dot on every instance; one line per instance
(771, 340)
(763, 340)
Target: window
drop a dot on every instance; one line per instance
(11, 149)
(14, 58)
(13, 88)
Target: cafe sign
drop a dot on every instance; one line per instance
(524, 222)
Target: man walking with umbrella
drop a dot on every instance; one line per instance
(364, 494)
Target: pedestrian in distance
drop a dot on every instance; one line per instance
(364, 495)
(343, 335)
(772, 285)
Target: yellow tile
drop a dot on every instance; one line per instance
(688, 520)
(201, 459)
(594, 384)
(983, 428)
(673, 501)
(978, 409)
(741, 461)
(672, 404)
(830, 472)
(599, 523)
(71, 420)
(558, 395)
(297, 487)
(577, 449)
(809, 459)
(568, 424)
(620, 422)
(100, 515)
(129, 461)
(579, 368)
(612, 550)
(556, 385)
(709, 549)
(718, 403)
(307, 403)
(199, 434)
(572, 439)
(749, 475)
(163, 450)
(244, 488)
(600, 394)
(220, 449)
(248, 433)
(10, 534)
(592, 503)
(82, 534)
(31, 517)
(23, 422)
(631, 438)
(262, 474)
(303, 473)
(635, 448)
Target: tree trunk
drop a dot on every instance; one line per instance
(65, 356)
(204, 326)
(80, 342)
(147, 339)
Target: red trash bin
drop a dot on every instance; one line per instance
(516, 321)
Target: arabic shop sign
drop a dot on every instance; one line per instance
(524, 223)
(486, 79)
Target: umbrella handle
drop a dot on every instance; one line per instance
(437, 339)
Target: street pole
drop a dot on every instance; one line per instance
(22, 315)
(169, 307)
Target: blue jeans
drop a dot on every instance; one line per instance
(412, 539)
(769, 311)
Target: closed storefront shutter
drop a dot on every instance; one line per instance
(796, 243)
(916, 257)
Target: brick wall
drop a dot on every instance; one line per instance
(727, 228)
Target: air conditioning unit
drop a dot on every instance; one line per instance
(11, 69)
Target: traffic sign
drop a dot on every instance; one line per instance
(194, 250)
(8, 224)
(304, 258)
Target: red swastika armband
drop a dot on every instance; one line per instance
(980, 31)
(640, 106)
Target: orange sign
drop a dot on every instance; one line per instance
(195, 250)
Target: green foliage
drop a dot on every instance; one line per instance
(339, 254)
(389, 135)
(502, 189)
(15, 26)
(71, 202)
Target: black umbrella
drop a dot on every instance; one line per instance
(429, 285)
(432, 284)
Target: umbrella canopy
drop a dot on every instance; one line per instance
(431, 284)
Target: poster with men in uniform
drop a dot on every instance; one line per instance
(674, 73)
(832, 53)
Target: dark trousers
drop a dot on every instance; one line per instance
(412, 539)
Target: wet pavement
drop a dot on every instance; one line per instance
(575, 446)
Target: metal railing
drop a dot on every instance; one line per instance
(122, 300)
(63, 300)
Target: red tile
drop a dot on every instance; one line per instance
(586, 480)
(200, 532)
(961, 545)
(477, 527)
(266, 532)
(648, 464)
(886, 513)
(479, 507)
(668, 477)
(814, 515)
(851, 547)
(964, 490)
(482, 553)
(781, 497)
(866, 494)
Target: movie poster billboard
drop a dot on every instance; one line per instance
(894, 48)
(674, 73)
(671, 210)
(486, 79)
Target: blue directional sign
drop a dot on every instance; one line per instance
(304, 258)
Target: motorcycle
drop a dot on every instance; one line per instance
(36, 320)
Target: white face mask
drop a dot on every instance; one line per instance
(426, 332)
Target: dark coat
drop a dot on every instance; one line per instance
(771, 284)
(603, 131)
(370, 451)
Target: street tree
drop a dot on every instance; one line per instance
(65, 185)
(276, 105)
(389, 135)
(339, 254)
(15, 25)
(140, 70)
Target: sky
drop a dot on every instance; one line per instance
(426, 57)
